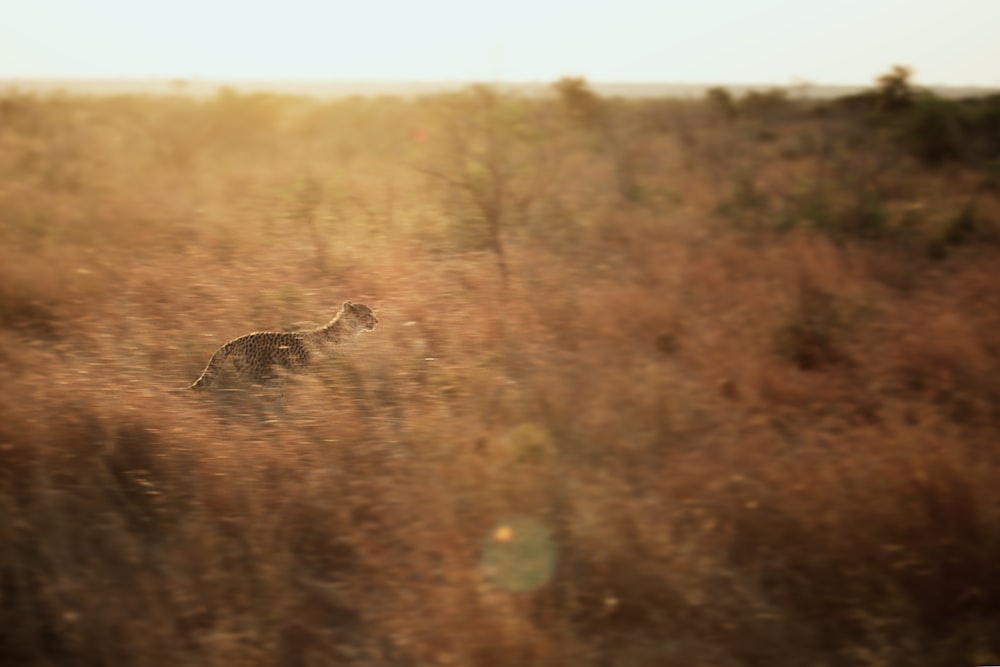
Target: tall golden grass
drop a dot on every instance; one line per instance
(730, 396)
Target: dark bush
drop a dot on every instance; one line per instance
(933, 132)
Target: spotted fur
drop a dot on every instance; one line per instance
(262, 356)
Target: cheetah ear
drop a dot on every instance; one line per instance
(347, 304)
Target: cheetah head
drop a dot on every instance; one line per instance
(362, 316)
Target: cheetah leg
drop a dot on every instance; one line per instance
(207, 376)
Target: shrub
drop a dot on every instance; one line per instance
(895, 92)
(581, 103)
(721, 101)
(764, 103)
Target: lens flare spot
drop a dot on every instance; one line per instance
(503, 534)
(519, 554)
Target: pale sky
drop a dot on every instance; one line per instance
(953, 42)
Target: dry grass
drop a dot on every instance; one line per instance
(738, 439)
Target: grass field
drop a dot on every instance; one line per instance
(656, 382)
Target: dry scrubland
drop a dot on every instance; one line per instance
(732, 366)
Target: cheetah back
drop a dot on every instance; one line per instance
(258, 356)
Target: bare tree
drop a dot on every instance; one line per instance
(481, 131)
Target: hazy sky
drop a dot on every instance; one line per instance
(714, 41)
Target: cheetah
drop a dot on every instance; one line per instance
(260, 356)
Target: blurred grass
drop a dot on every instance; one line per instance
(740, 372)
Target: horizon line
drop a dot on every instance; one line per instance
(178, 84)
